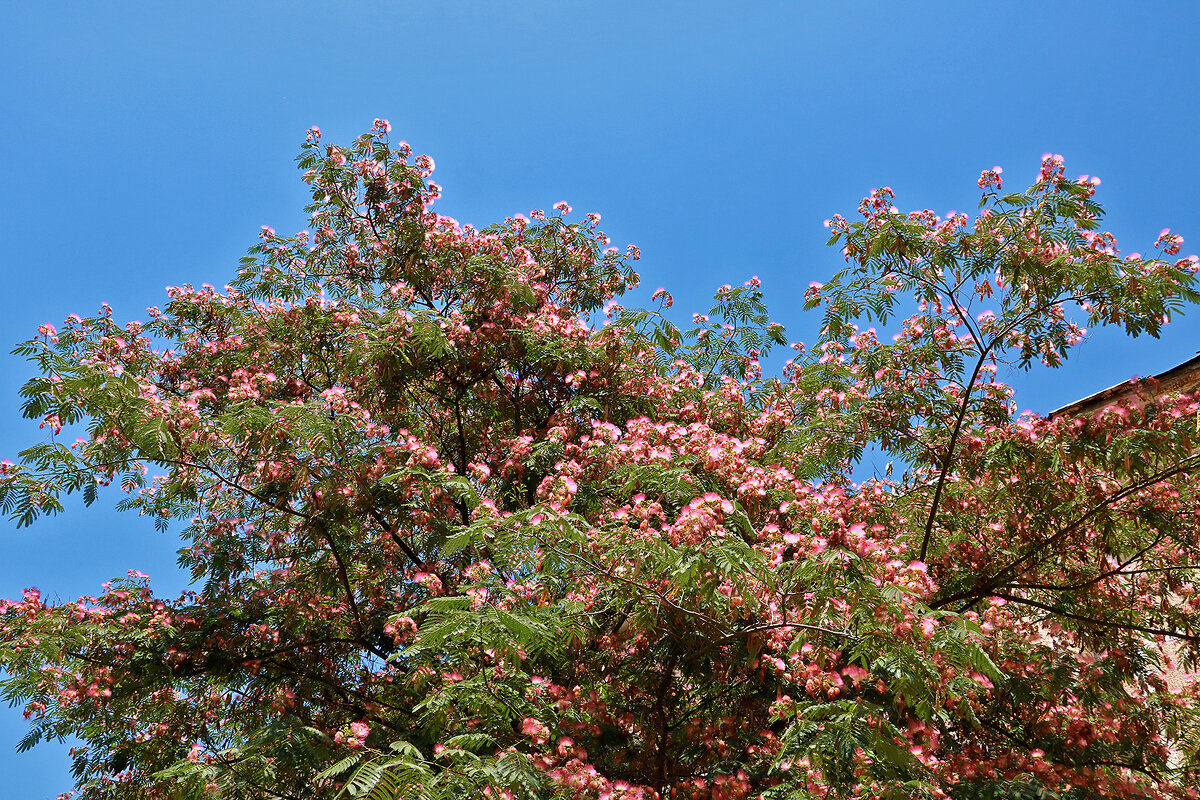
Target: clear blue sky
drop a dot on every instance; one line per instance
(146, 143)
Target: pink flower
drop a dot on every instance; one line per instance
(430, 581)
(359, 731)
(1169, 242)
(535, 729)
(991, 177)
(1052, 167)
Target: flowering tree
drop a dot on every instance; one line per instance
(453, 537)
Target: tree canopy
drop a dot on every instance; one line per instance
(461, 525)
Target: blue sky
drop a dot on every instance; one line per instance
(146, 143)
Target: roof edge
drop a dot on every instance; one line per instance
(1177, 371)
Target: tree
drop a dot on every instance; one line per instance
(461, 525)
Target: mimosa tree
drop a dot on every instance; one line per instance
(460, 525)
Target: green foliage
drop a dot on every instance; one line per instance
(450, 538)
